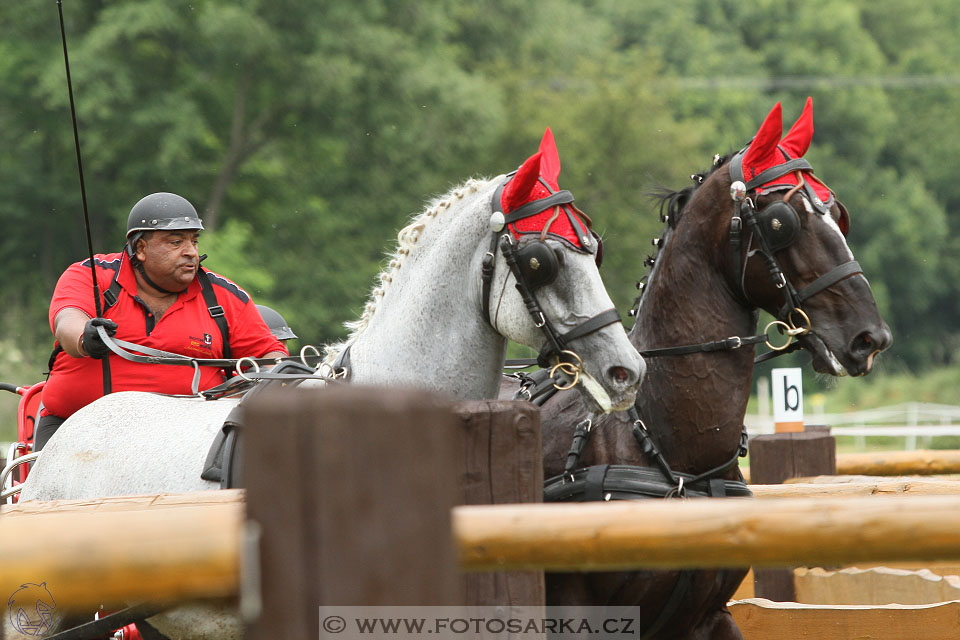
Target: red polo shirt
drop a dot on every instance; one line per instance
(185, 328)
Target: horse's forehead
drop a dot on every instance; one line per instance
(835, 228)
(582, 272)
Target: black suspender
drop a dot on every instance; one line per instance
(215, 310)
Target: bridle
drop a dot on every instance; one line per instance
(773, 228)
(535, 264)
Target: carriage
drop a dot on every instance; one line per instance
(20, 453)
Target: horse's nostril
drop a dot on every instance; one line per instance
(871, 342)
(619, 374)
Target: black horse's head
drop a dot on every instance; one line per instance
(790, 252)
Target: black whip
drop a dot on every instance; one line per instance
(83, 189)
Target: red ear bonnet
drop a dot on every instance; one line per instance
(768, 150)
(527, 185)
(797, 140)
(762, 152)
(516, 193)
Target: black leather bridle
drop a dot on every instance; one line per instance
(524, 261)
(746, 214)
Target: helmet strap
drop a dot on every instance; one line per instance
(143, 272)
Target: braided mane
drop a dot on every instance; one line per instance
(408, 238)
(672, 206)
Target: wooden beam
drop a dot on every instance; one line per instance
(87, 556)
(760, 619)
(898, 463)
(855, 479)
(875, 586)
(859, 489)
(729, 532)
(501, 465)
(192, 551)
(352, 488)
(152, 502)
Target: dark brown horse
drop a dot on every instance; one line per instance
(718, 261)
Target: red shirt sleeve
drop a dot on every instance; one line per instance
(250, 335)
(75, 289)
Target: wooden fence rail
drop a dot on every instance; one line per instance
(899, 463)
(131, 550)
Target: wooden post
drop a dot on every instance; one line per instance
(352, 488)
(502, 465)
(775, 458)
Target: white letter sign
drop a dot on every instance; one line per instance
(787, 399)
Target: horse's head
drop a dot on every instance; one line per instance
(543, 247)
(788, 231)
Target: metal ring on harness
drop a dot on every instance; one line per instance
(303, 355)
(787, 329)
(240, 371)
(676, 492)
(805, 327)
(569, 368)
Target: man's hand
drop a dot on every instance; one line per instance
(91, 342)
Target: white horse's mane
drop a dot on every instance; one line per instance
(407, 240)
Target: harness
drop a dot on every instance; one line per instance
(533, 265)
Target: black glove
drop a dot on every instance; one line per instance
(91, 341)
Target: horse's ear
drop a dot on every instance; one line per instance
(550, 159)
(516, 193)
(797, 140)
(761, 153)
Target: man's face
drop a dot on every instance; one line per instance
(170, 258)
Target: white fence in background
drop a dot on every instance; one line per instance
(913, 421)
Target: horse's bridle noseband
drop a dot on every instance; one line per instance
(534, 265)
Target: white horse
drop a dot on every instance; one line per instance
(424, 325)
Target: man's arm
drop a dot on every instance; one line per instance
(275, 354)
(68, 329)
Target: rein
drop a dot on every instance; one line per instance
(148, 355)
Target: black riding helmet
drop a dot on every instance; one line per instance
(278, 326)
(160, 212)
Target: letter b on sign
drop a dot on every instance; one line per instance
(787, 399)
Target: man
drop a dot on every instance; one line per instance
(155, 294)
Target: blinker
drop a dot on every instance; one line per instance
(538, 263)
(779, 224)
